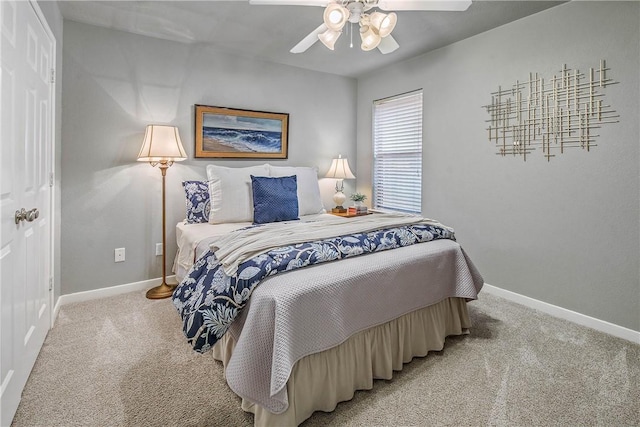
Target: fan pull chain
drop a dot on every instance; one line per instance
(350, 28)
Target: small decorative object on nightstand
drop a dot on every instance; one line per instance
(359, 208)
(358, 199)
(340, 170)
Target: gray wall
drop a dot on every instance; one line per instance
(114, 84)
(567, 231)
(54, 19)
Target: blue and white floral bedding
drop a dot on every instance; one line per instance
(209, 300)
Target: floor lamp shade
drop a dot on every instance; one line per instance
(161, 143)
(161, 147)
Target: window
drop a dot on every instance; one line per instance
(397, 153)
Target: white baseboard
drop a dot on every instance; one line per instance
(106, 292)
(553, 310)
(563, 313)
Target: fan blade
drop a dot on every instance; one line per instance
(387, 45)
(322, 3)
(309, 41)
(442, 5)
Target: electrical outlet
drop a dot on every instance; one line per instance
(119, 255)
(158, 249)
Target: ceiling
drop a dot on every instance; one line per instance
(269, 32)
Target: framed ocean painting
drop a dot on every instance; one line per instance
(232, 133)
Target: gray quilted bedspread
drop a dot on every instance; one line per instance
(310, 310)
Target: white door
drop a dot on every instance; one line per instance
(27, 54)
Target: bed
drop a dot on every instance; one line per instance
(309, 338)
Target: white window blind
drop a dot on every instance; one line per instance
(397, 151)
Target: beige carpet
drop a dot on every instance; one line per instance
(123, 361)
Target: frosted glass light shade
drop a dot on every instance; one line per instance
(161, 143)
(340, 169)
(329, 38)
(383, 23)
(370, 38)
(335, 16)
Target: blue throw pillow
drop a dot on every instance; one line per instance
(274, 199)
(198, 201)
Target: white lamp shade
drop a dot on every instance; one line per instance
(383, 23)
(329, 38)
(340, 169)
(335, 16)
(162, 143)
(370, 38)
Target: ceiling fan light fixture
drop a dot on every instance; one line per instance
(370, 37)
(335, 16)
(329, 38)
(383, 22)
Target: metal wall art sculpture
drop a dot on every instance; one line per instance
(557, 114)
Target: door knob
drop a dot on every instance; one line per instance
(21, 215)
(25, 215)
(33, 214)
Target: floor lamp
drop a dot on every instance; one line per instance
(161, 147)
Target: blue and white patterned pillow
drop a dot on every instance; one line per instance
(274, 199)
(198, 201)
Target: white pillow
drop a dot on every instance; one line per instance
(230, 192)
(309, 200)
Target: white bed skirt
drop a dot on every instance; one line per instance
(320, 381)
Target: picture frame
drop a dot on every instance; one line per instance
(245, 134)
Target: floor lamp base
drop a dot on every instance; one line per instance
(162, 291)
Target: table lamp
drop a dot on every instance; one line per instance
(339, 170)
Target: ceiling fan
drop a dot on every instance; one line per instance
(375, 26)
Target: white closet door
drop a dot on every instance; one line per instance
(27, 54)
